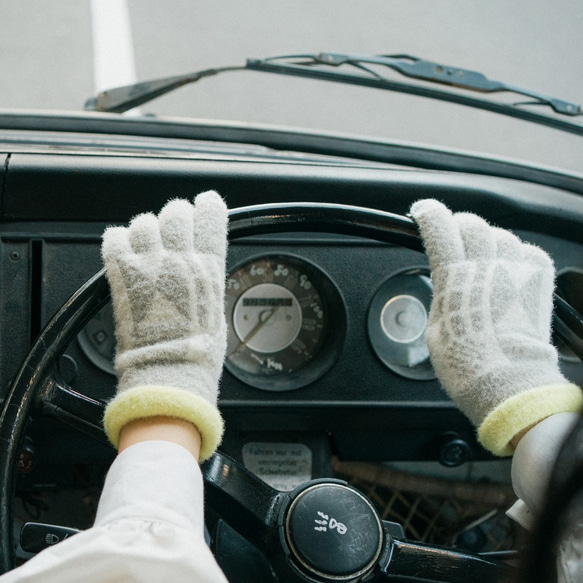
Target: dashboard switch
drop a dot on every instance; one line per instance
(36, 536)
(454, 450)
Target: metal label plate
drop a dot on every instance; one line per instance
(282, 465)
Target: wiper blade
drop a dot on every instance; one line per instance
(420, 69)
(318, 65)
(414, 68)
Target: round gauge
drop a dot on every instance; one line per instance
(97, 339)
(397, 320)
(403, 319)
(281, 334)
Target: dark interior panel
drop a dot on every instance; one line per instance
(55, 207)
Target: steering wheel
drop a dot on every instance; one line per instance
(280, 524)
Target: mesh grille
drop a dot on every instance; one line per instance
(454, 513)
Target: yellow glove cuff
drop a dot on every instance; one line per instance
(153, 401)
(524, 410)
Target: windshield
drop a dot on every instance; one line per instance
(53, 56)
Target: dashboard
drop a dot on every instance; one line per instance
(326, 345)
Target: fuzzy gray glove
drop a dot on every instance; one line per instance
(489, 326)
(167, 279)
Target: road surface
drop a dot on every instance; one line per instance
(56, 54)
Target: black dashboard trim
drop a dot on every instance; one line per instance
(303, 140)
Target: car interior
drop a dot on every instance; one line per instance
(327, 372)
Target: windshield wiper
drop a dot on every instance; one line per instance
(422, 70)
(326, 66)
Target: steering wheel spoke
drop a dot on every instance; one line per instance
(243, 500)
(411, 561)
(59, 401)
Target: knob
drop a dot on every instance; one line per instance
(453, 451)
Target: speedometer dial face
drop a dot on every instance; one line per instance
(278, 316)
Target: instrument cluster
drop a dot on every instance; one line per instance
(287, 323)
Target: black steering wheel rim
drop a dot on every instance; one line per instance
(32, 378)
(37, 387)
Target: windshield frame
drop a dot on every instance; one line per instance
(282, 138)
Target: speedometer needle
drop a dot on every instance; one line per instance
(256, 328)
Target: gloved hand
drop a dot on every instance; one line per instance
(489, 326)
(167, 279)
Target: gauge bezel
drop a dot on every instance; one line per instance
(382, 346)
(334, 333)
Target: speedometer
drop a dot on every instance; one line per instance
(281, 332)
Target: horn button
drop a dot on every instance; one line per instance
(332, 531)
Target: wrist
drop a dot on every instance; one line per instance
(151, 401)
(161, 428)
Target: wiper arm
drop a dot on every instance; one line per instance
(122, 99)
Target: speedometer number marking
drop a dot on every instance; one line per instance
(277, 318)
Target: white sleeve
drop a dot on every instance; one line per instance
(532, 466)
(533, 463)
(149, 526)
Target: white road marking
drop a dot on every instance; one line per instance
(113, 51)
